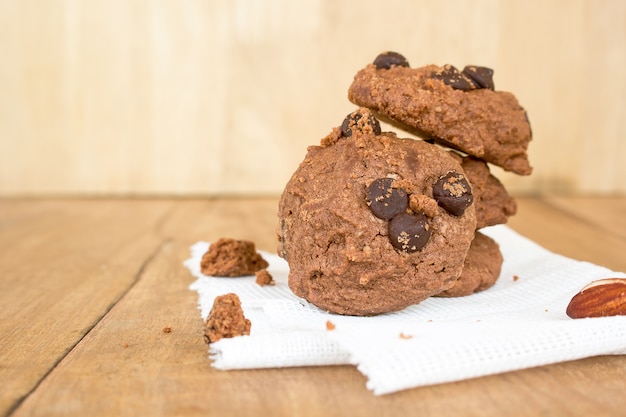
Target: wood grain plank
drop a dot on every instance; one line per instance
(578, 234)
(63, 264)
(127, 365)
(254, 219)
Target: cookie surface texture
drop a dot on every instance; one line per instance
(346, 254)
(451, 107)
(480, 270)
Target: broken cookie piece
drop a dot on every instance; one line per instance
(226, 319)
(232, 258)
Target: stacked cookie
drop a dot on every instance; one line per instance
(372, 223)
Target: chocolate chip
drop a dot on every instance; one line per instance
(390, 59)
(453, 193)
(454, 78)
(384, 201)
(481, 76)
(363, 122)
(409, 232)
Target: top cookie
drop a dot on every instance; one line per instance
(458, 109)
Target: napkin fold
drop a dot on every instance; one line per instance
(518, 323)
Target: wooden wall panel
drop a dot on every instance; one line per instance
(223, 96)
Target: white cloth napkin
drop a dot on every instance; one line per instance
(518, 323)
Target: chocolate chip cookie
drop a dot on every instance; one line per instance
(459, 109)
(371, 223)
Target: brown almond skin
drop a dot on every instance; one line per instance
(601, 298)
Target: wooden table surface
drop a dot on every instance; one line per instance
(87, 287)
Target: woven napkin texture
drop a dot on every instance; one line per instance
(518, 323)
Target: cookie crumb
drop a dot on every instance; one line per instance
(515, 278)
(331, 138)
(125, 345)
(264, 278)
(330, 326)
(228, 257)
(226, 319)
(167, 329)
(422, 203)
(405, 336)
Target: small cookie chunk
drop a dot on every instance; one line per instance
(480, 270)
(360, 226)
(226, 319)
(458, 109)
(493, 203)
(264, 278)
(232, 258)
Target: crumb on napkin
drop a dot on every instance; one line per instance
(264, 278)
(228, 257)
(226, 319)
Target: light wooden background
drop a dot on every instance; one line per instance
(222, 97)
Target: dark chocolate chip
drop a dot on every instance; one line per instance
(384, 201)
(390, 59)
(454, 78)
(453, 193)
(409, 232)
(357, 120)
(481, 76)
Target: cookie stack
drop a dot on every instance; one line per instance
(372, 223)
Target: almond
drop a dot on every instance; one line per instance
(601, 298)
